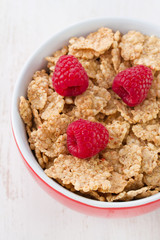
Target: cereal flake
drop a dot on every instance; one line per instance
(86, 175)
(131, 45)
(25, 111)
(149, 158)
(117, 132)
(150, 55)
(153, 179)
(91, 67)
(143, 112)
(92, 101)
(54, 106)
(112, 157)
(131, 157)
(107, 74)
(51, 137)
(94, 44)
(117, 182)
(37, 90)
(149, 132)
(135, 183)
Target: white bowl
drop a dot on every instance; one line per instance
(37, 62)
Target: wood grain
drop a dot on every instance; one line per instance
(26, 211)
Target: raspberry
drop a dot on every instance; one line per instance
(69, 78)
(86, 139)
(133, 84)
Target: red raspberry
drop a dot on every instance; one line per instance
(86, 139)
(133, 84)
(69, 78)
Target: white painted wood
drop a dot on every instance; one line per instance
(26, 211)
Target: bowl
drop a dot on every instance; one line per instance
(37, 62)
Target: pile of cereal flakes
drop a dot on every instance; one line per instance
(129, 167)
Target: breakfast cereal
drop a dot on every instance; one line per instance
(129, 167)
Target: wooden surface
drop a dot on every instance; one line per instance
(26, 211)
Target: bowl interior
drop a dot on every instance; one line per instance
(37, 62)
